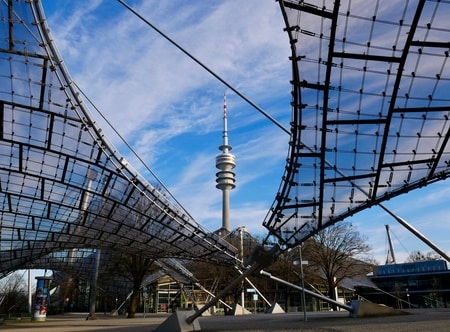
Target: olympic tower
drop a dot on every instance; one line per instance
(225, 162)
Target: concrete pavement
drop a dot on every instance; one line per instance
(422, 320)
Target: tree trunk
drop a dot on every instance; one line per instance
(133, 303)
(332, 293)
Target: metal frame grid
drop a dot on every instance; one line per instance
(370, 105)
(63, 186)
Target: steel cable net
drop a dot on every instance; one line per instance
(370, 108)
(64, 189)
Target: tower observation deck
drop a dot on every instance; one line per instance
(225, 162)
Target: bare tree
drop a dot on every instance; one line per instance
(337, 252)
(13, 290)
(134, 267)
(137, 266)
(418, 256)
(67, 290)
(284, 268)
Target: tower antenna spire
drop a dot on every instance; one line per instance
(225, 162)
(225, 122)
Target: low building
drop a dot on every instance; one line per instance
(423, 284)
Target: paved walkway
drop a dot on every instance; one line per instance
(420, 320)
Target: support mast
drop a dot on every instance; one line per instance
(390, 259)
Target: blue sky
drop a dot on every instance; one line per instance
(169, 109)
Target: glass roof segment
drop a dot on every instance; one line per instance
(62, 184)
(370, 108)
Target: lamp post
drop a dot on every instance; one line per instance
(407, 296)
(303, 283)
(145, 296)
(241, 230)
(92, 175)
(301, 262)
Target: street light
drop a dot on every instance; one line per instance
(303, 283)
(302, 277)
(241, 230)
(91, 176)
(407, 296)
(301, 262)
